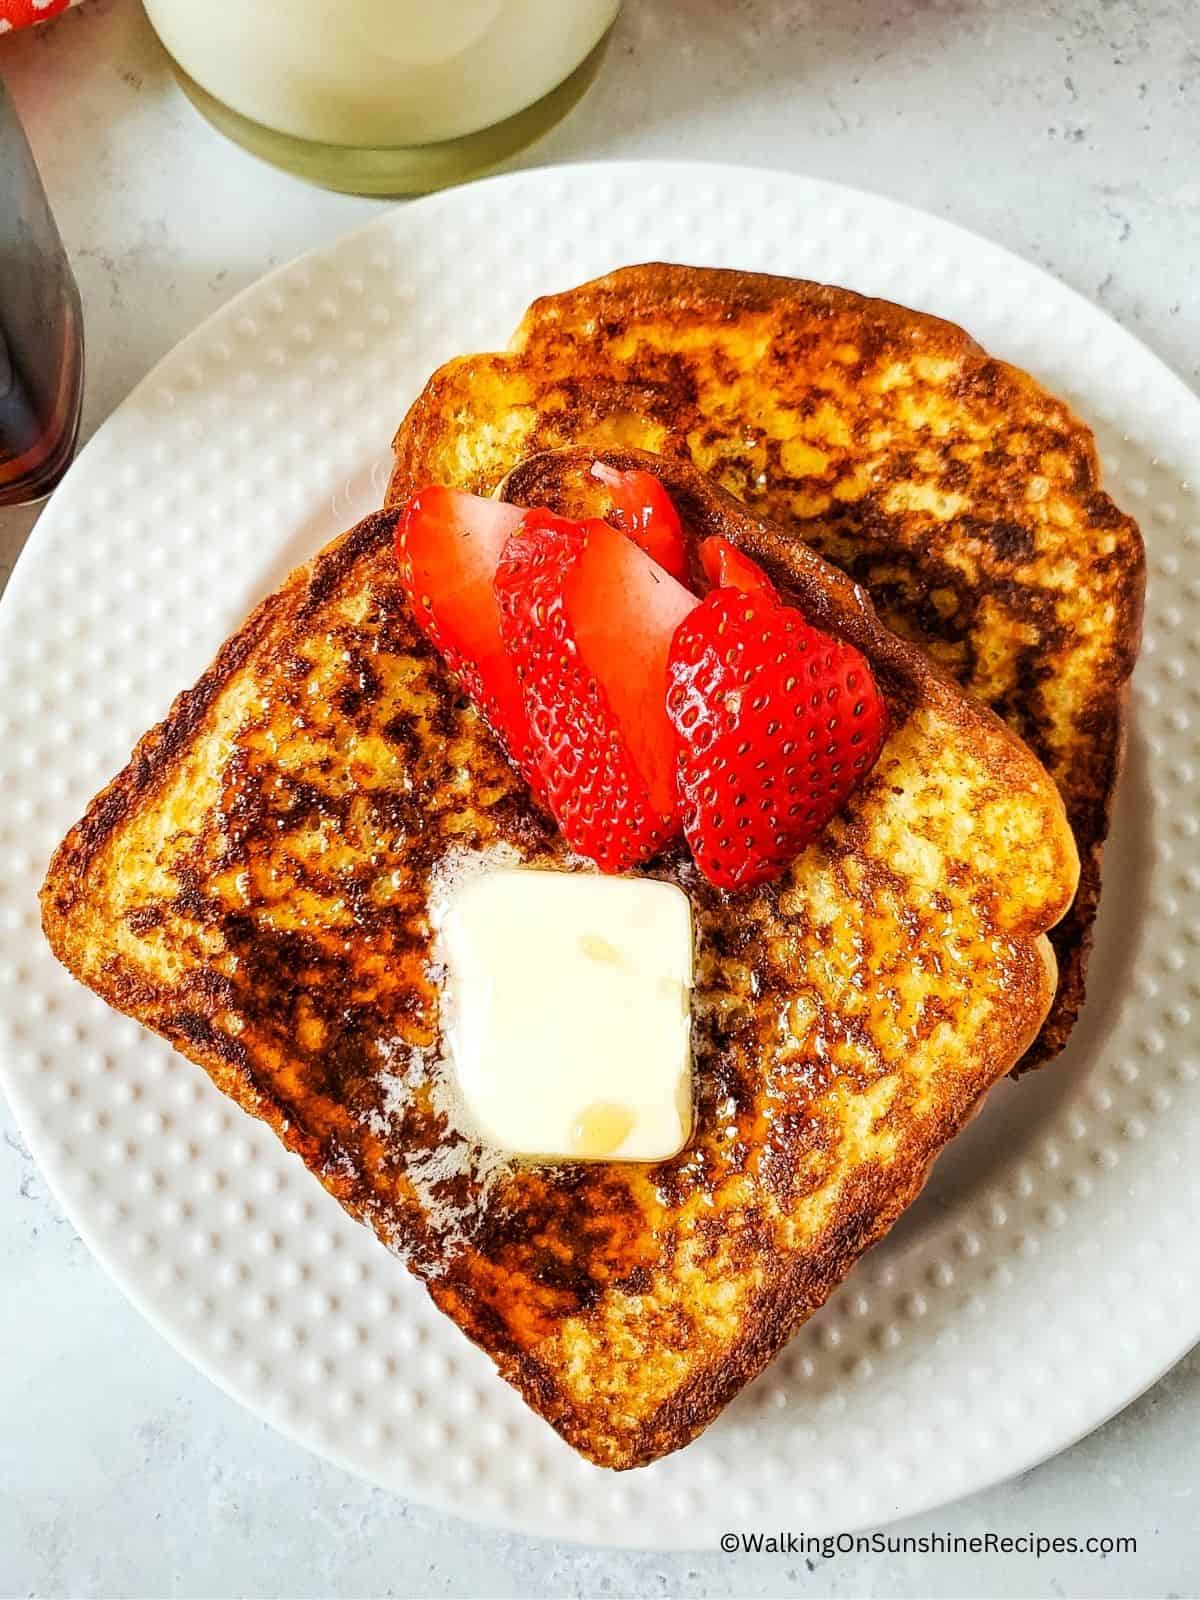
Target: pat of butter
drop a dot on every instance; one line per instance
(567, 1012)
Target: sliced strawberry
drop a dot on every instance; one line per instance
(777, 722)
(727, 567)
(642, 508)
(588, 618)
(448, 544)
(625, 610)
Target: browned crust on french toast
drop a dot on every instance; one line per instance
(579, 362)
(65, 892)
(627, 1304)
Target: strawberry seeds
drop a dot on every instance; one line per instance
(634, 708)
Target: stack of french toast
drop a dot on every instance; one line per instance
(857, 480)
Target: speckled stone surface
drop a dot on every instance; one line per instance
(1069, 135)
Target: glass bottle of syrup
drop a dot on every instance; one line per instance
(41, 329)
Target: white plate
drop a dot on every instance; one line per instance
(1051, 1270)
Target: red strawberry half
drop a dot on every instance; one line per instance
(448, 544)
(588, 619)
(777, 723)
(643, 509)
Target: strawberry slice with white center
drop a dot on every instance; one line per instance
(778, 723)
(588, 619)
(643, 509)
(448, 544)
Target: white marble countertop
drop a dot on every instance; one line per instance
(1069, 132)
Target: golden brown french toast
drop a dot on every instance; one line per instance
(963, 496)
(256, 886)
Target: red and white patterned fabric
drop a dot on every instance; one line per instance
(20, 13)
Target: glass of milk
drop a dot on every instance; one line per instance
(384, 96)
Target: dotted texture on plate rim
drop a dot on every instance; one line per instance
(1013, 1308)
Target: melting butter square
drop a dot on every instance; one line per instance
(567, 1012)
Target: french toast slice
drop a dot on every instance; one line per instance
(964, 497)
(256, 886)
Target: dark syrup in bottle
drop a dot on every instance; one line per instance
(41, 329)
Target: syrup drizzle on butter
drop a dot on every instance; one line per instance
(602, 1128)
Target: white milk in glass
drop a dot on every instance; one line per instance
(379, 73)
